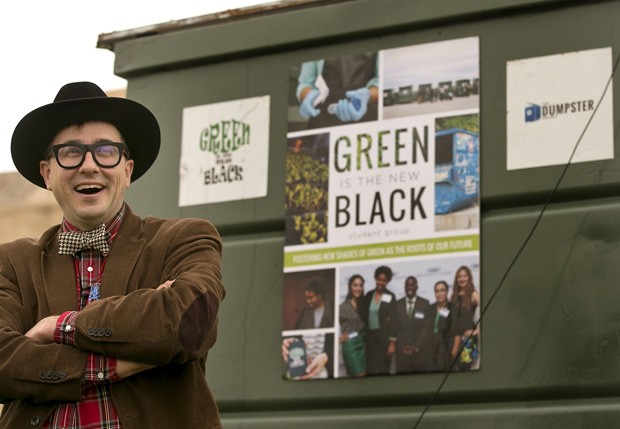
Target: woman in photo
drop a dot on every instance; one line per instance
(352, 337)
(379, 315)
(464, 301)
(440, 319)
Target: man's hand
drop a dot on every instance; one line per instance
(307, 108)
(391, 348)
(409, 350)
(43, 331)
(165, 284)
(286, 343)
(316, 366)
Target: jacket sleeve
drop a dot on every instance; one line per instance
(159, 326)
(30, 369)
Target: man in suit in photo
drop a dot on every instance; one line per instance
(413, 325)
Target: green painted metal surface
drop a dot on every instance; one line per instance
(551, 336)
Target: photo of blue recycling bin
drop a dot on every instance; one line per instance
(457, 170)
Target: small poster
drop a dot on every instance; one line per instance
(381, 256)
(224, 151)
(550, 100)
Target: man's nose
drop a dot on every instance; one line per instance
(89, 162)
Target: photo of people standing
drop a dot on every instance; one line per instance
(425, 324)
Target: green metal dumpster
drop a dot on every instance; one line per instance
(550, 343)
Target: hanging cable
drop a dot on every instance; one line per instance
(522, 248)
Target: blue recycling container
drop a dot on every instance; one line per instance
(457, 170)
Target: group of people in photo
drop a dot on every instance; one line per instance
(381, 334)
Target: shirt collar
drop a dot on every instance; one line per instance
(112, 226)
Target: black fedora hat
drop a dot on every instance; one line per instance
(77, 103)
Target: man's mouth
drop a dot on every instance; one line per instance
(88, 189)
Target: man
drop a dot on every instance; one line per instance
(107, 318)
(413, 328)
(318, 312)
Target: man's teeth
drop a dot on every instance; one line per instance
(88, 189)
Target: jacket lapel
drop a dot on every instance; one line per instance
(58, 270)
(124, 254)
(59, 280)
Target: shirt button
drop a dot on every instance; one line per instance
(100, 375)
(68, 328)
(89, 269)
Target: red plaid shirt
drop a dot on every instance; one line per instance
(95, 410)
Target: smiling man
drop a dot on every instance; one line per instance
(413, 325)
(89, 189)
(105, 314)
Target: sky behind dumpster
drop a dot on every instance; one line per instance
(46, 44)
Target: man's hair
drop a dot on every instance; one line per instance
(414, 278)
(315, 284)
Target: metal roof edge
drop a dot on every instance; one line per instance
(108, 40)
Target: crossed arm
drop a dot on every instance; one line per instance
(172, 323)
(45, 329)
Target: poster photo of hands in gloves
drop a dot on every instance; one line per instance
(381, 255)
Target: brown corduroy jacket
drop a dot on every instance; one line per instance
(172, 328)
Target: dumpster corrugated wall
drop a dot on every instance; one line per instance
(551, 335)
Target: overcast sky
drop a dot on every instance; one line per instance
(46, 44)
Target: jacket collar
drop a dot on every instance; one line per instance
(58, 271)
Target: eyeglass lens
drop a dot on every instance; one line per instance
(106, 155)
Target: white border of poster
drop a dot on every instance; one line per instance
(224, 151)
(382, 183)
(550, 100)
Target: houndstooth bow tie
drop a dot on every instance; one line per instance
(71, 242)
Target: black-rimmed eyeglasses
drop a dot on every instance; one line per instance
(105, 154)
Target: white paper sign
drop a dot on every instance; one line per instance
(224, 151)
(549, 103)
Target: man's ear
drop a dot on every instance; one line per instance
(128, 171)
(44, 169)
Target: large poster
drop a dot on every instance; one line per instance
(381, 256)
